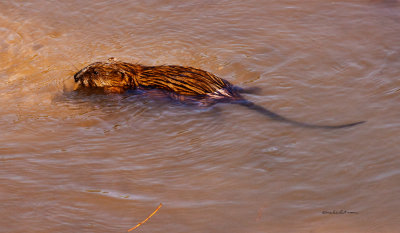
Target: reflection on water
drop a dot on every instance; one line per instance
(86, 162)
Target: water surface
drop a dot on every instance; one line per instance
(71, 162)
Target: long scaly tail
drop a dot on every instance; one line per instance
(278, 117)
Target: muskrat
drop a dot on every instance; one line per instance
(181, 83)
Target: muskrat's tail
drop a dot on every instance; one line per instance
(278, 117)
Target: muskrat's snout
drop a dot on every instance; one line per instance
(82, 79)
(76, 77)
(76, 80)
(87, 77)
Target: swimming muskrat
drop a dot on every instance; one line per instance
(185, 84)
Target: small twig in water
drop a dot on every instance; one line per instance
(133, 228)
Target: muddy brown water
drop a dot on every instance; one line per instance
(73, 162)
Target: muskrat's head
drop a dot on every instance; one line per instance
(101, 74)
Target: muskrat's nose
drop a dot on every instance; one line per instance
(76, 77)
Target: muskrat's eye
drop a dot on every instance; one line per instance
(95, 72)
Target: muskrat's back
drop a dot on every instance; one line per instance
(181, 80)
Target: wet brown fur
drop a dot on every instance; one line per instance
(179, 82)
